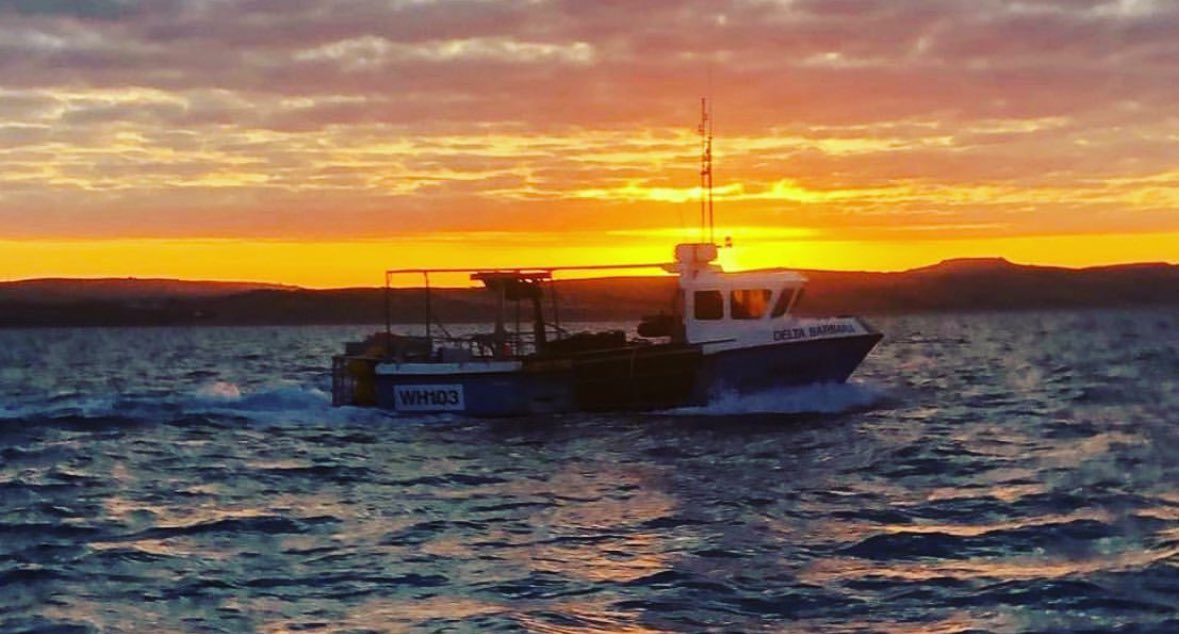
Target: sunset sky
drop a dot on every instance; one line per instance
(319, 142)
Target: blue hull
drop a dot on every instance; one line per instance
(492, 395)
(791, 364)
(631, 378)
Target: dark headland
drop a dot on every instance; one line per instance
(952, 286)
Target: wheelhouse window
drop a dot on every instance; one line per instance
(709, 305)
(750, 303)
(783, 303)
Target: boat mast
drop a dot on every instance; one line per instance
(705, 130)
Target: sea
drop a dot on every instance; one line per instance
(985, 472)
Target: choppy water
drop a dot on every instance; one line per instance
(1006, 473)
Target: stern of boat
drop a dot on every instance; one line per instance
(354, 381)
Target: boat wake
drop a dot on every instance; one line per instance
(824, 398)
(285, 402)
(292, 403)
(272, 403)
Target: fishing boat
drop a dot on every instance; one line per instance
(722, 332)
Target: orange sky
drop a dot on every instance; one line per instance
(319, 143)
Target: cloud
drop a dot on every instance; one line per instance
(261, 118)
(100, 9)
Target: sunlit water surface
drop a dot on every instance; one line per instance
(988, 472)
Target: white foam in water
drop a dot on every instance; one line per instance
(272, 397)
(826, 398)
(219, 391)
(277, 402)
(281, 402)
(289, 402)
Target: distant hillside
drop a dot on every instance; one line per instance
(953, 285)
(991, 284)
(53, 289)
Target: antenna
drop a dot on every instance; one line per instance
(705, 129)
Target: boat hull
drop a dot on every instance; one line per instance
(648, 377)
(808, 362)
(509, 393)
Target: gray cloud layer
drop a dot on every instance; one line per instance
(779, 62)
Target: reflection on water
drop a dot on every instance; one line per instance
(1000, 473)
(1013, 568)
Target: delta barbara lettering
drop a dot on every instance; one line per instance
(822, 330)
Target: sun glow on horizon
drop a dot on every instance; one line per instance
(337, 264)
(320, 147)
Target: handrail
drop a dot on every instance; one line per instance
(534, 269)
(540, 273)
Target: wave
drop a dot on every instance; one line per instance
(224, 397)
(288, 402)
(824, 398)
(272, 403)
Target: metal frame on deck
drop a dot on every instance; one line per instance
(546, 271)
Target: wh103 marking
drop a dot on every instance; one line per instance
(429, 398)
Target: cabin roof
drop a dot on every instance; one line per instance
(491, 277)
(746, 279)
